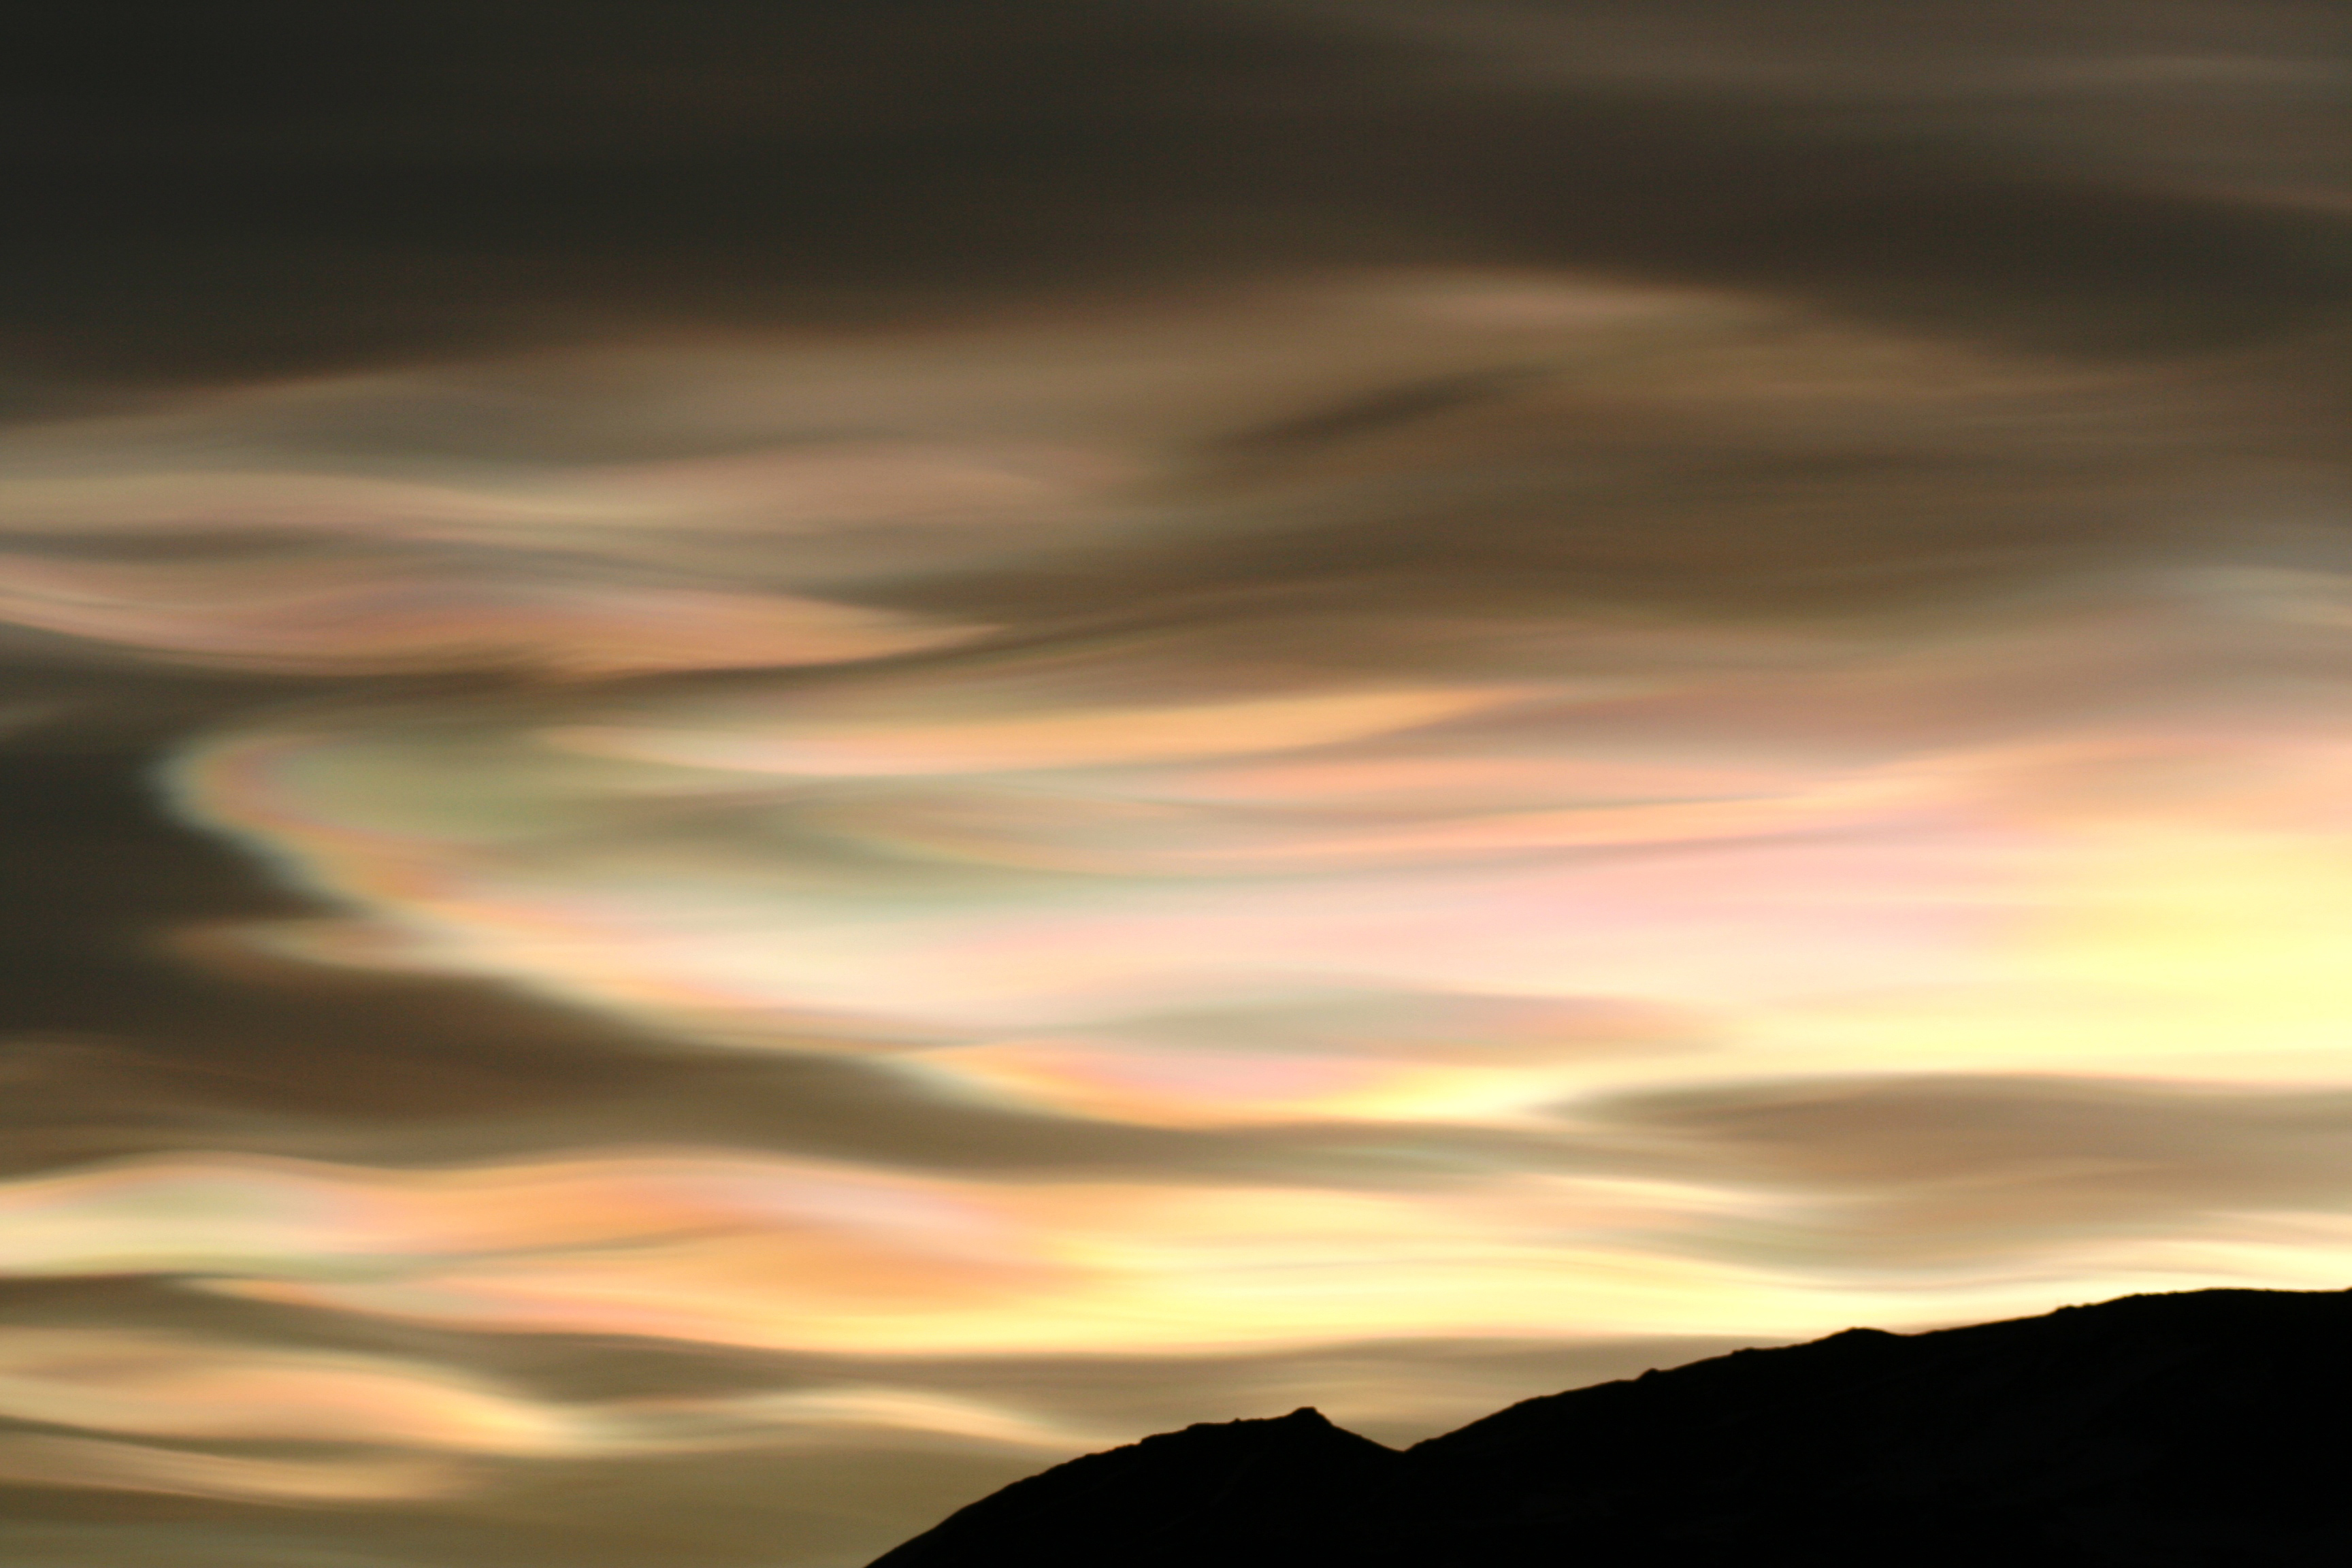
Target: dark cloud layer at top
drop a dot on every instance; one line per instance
(266, 190)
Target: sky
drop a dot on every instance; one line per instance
(766, 760)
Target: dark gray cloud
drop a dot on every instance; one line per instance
(272, 189)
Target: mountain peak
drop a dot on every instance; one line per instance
(1295, 1481)
(2193, 1429)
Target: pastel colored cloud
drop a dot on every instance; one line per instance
(1356, 772)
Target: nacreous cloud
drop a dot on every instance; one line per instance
(1356, 751)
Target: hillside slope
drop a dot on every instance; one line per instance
(2206, 1429)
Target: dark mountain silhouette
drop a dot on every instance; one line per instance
(2204, 1429)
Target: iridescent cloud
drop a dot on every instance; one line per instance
(1890, 863)
(780, 1255)
(1223, 722)
(1937, 858)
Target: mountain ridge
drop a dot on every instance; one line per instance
(2193, 1429)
